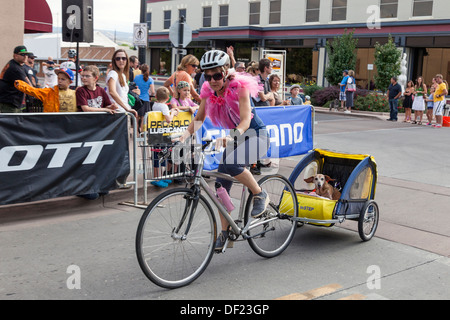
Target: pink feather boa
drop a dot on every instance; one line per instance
(224, 111)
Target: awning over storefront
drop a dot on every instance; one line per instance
(38, 17)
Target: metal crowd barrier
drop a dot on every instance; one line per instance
(158, 167)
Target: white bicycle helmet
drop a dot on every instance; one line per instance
(72, 53)
(213, 59)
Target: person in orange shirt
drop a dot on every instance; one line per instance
(439, 100)
(57, 99)
(185, 69)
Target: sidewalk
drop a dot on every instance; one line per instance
(362, 114)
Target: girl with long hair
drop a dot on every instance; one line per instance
(408, 102)
(419, 101)
(274, 83)
(147, 87)
(117, 82)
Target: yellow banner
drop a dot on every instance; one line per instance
(161, 131)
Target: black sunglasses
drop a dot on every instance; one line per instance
(217, 76)
(121, 58)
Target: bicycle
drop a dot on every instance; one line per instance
(176, 236)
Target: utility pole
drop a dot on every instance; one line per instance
(143, 51)
(180, 39)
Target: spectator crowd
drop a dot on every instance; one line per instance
(130, 88)
(417, 97)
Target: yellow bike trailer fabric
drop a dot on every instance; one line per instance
(309, 207)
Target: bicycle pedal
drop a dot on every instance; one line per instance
(216, 251)
(228, 245)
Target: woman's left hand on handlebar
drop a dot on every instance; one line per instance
(222, 142)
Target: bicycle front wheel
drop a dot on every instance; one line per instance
(275, 230)
(175, 238)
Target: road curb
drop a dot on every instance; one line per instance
(359, 114)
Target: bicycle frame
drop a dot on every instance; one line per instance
(184, 234)
(200, 182)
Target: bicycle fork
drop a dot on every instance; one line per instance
(188, 214)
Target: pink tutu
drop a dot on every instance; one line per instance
(224, 111)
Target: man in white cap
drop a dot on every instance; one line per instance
(72, 65)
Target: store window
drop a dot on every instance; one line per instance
(423, 8)
(148, 19)
(207, 12)
(388, 9)
(182, 13)
(275, 12)
(339, 10)
(312, 10)
(223, 15)
(167, 19)
(255, 13)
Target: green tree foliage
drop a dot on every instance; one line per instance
(387, 61)
(342, 54)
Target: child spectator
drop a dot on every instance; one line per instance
(162, 95)
(307, 100)
(91, 97)
(182, 100)
(56, 99)
(295, 99)
(430, 105)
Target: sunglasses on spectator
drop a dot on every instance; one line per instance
(121, 58)
(194, 65)
(22, 54)
(217, 76)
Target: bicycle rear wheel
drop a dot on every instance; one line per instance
(175, 238)
(273, 237)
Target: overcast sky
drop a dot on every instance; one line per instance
(108, 14)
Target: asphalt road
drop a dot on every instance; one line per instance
(408, 258)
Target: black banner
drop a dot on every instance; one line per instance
(44, 156)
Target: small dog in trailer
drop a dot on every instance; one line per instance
(323, 188)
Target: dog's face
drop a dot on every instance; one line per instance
(319, 180)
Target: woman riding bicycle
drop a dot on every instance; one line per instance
(225, 99)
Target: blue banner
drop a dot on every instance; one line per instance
(289, 127)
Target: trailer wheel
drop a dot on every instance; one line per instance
(368, 220)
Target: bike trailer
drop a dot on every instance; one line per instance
(355, 176)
